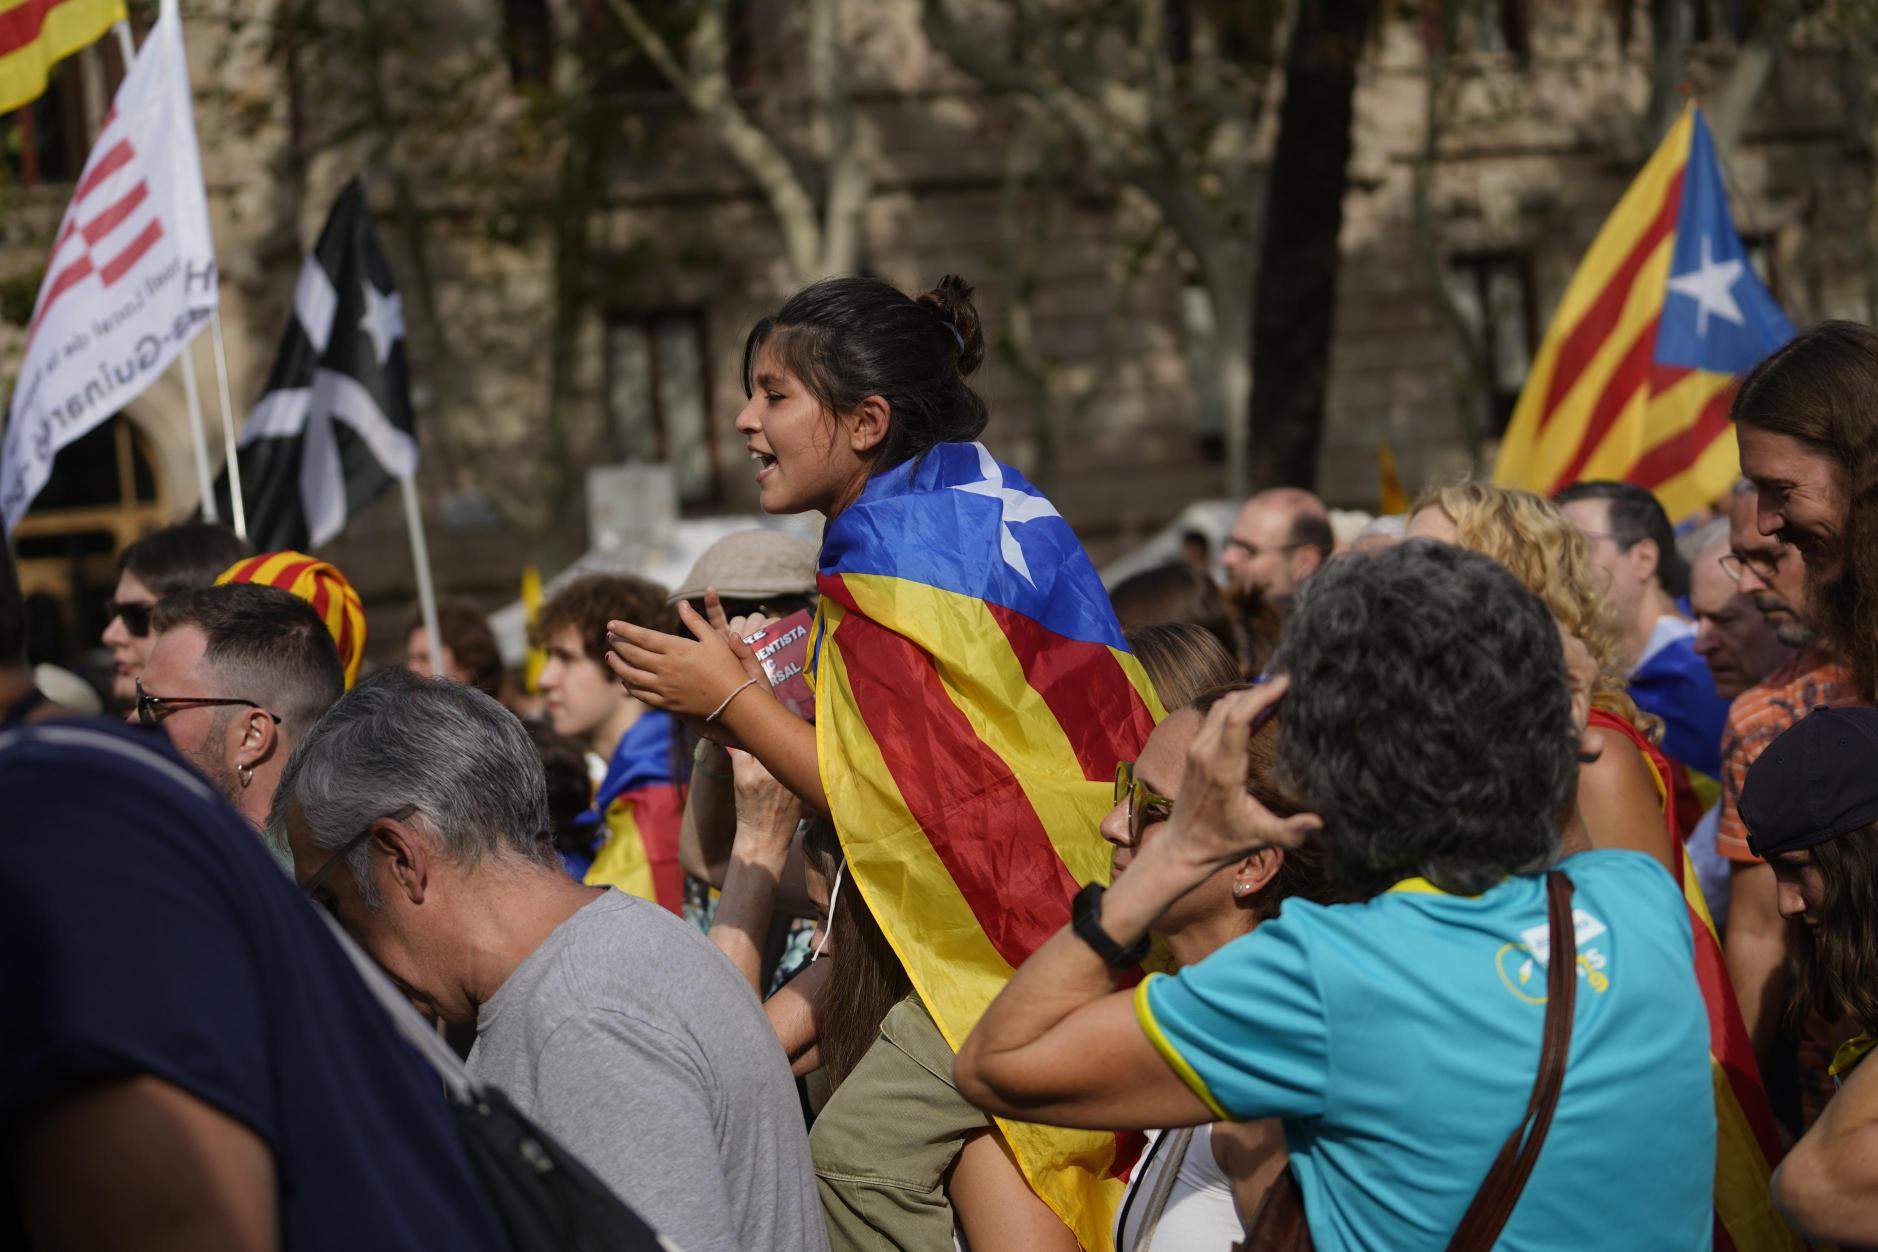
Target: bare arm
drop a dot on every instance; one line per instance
(140, 1163)
(1828, 1185)
(767, 817)
(1755, 946)
(1620, 804)
(795, 1011)
(996, 1207)
(710, 820)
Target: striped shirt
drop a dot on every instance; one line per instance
(1757, 718)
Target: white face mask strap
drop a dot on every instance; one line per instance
(828, 927)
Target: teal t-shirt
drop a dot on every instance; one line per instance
(1399, 1038)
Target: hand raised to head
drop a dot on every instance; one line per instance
(1215, 819)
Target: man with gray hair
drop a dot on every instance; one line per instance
(416, 812)
(1740, 649)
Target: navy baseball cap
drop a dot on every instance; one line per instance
(1817, 781)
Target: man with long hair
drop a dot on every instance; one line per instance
(1807, 421)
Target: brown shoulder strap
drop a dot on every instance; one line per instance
(1486, 1217)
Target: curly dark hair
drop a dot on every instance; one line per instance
(591, 601)
(1428, 723)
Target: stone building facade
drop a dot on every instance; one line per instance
(577, 297)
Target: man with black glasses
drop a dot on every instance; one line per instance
(177, 558)
(236, 676)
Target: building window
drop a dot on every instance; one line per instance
(45, 141)
(1494, 293)
(528, 41)
(658, 398)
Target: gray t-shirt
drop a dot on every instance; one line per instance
(640, 1048)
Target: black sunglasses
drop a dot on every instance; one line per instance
(321, 874)
(134, 613)
(153, 709)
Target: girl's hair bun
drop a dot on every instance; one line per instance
(951, 302)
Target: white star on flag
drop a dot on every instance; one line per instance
(383, 320)
(1013, 506)
(1711, 287)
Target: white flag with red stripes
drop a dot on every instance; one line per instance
(132, 276)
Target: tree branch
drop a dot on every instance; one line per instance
(705, 86)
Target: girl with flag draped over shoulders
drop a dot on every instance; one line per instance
(974, 695)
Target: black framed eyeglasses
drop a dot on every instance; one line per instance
(153, 709)
(1145, 805)
(324, 872)
(1765, 563)
(134, 613)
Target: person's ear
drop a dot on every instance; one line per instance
(1305, 562)
(406, 853)
(866, 424)
(1644, 558)
(258, 737)
(1255, 873)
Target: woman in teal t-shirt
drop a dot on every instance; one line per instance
(1429, 727)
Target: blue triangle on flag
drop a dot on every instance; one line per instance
(1717, 314)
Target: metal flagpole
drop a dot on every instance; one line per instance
(235, 504)
(124, 43)
(420, 557)
(197, 439)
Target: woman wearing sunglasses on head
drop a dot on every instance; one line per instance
(1199, 1186)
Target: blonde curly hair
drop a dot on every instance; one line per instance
(1533, 539)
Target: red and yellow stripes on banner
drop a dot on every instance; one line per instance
(1747, 1142)
(931, 739)
(36, 34)
(1596, 403)
(640, 854)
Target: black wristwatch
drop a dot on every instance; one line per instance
(1085, 913)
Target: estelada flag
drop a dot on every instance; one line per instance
(36, 34)
(1635, 375)
(974, 696)
(636, 815)
(1747, 1140)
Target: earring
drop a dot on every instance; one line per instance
(245, 773)
(1241, 890)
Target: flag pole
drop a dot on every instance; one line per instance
(420, 557)
(235, 504)
(198, 441)
(125, 44)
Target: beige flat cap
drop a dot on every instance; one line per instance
(751, 565)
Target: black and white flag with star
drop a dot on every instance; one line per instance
(334, 427)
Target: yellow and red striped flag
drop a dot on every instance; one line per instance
(36, 34)
(1747, 1140)
(1635, 374)
(974, 696)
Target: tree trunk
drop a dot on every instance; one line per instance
(1294, 307)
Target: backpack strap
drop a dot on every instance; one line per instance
(1493, 1204)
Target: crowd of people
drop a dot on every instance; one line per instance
(1502, 874)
